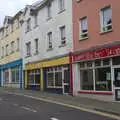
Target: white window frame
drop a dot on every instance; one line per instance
(49, 37)
(49, 10)
(36, 45)
(18, 44)
(28, 25)
(61, 5)
(6, 49)
(28, 49)
(83, 35)
(12, 46)
(2, 52)
(105, 27)
(63, 35)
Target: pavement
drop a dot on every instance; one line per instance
(111, 108)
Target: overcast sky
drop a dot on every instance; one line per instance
(10, 7)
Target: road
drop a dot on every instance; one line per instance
(13, 107)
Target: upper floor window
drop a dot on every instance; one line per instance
(83, 28)
(61, 5)
(18, 44)
(11, 27)
(49, 12)
(6, 34)
(49, 40)
(28, 48)
(28, 27)
(35, 20)
(36, 45)
(2, 52)
(6, 49)
(12, 46)
(63, 36)
(106, 19)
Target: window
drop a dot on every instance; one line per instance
(83, 28)
(62, 33)
(2, 52)
(49, 10)
(35, 21)
(11, 27)
(49, 40)
(28, 25)
(28, 48)
(18, 44)
(86, 77)
(106, 19)
(12, 46)
(61, 5)
(6, 49)
(36, 45)
(6, 31)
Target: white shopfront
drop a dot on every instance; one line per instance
(97, 74)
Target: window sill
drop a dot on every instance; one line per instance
(62, 45)
(61, 11)
(104, 32)
(49, 18)
(49, 49)
(84, 38)
(28, 56)
(35, 26)
(36, 53)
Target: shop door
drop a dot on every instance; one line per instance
(117, 83)
(66, 80)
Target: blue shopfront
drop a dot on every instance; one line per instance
(12, 74)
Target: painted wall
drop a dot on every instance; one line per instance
(91, 9)
(45, 26)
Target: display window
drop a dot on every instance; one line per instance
(96, 75)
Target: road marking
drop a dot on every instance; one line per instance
(67, 105)
(15, 104)
(28, 109)
(54, 119)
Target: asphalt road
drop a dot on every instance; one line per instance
(14, 107)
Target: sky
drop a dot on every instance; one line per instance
(11, 7)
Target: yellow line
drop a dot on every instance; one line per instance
(70, 106)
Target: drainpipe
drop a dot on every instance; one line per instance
(71, 74)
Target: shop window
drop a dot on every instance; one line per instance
(15, 75)
(106, 62)
(50, 79)
(86, 78)
(31, 78)
(103, 79)
(116, 60)
(37, 76)
(98, 63)
(6, 76)
(58, 79)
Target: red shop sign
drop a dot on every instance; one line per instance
(107, 52)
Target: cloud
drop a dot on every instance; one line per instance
(10, 7)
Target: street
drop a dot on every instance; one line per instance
(14, 107)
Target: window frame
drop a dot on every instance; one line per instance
(83, 35)
(63, 35)
(28, 49)
(105, 27)
(49, 40)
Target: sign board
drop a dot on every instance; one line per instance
(106, 52)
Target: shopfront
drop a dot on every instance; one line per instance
(98, 71)
(57, 79)
(11, 74)
(49, 75)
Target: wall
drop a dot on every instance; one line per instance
(45, 26)
(91, 9)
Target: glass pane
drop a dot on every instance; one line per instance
(89, 64)
(86, 77)
(82, 65)
(58, 79)
(50, 79)
(103, 79)
(106, 61)
(116, 60)
(117, 77)
(98, 63)
(66, 76)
